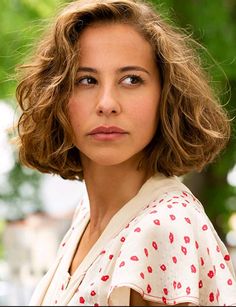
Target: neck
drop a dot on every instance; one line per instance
(109, 189)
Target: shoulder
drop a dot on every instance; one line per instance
(169, 196)
(171, 253)
(172, 234)
(178, 211)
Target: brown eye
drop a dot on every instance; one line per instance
(86, 81)
(132, 80)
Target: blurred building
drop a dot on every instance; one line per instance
(30, 247)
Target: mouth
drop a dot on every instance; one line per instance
(107, 130)
(104, 133)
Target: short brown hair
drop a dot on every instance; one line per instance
(192, 127)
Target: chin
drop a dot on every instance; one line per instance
(109, 162)
(113, 159)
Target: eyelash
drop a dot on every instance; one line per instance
(77, 82)
(138, 79)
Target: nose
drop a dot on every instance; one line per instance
(108, 103)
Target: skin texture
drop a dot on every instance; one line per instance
(110, 97)
(118, 84)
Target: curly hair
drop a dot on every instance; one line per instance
(193, 127)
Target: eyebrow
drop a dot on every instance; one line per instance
(120, 70)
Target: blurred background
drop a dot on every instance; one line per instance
(36, 209)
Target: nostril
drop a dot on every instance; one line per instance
(103, 111)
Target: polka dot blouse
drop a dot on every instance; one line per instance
(160, 244)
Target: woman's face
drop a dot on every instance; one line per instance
(113, 109)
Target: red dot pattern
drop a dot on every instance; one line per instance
(169, 253)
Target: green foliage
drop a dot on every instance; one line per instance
(213, 24)
(19, 193)
(22, 22)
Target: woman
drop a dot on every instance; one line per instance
(116, 97)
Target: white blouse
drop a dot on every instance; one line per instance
(161, 244)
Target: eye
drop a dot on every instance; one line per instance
(132, 80)
(86, 80)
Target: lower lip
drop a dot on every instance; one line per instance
(107, 136)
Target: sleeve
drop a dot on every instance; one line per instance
(173, 255)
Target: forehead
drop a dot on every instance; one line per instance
(114, 41)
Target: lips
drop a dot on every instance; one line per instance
(107, 130)
(107, 133)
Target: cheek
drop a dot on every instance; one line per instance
(146, 112)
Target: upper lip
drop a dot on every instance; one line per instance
(107, 130)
